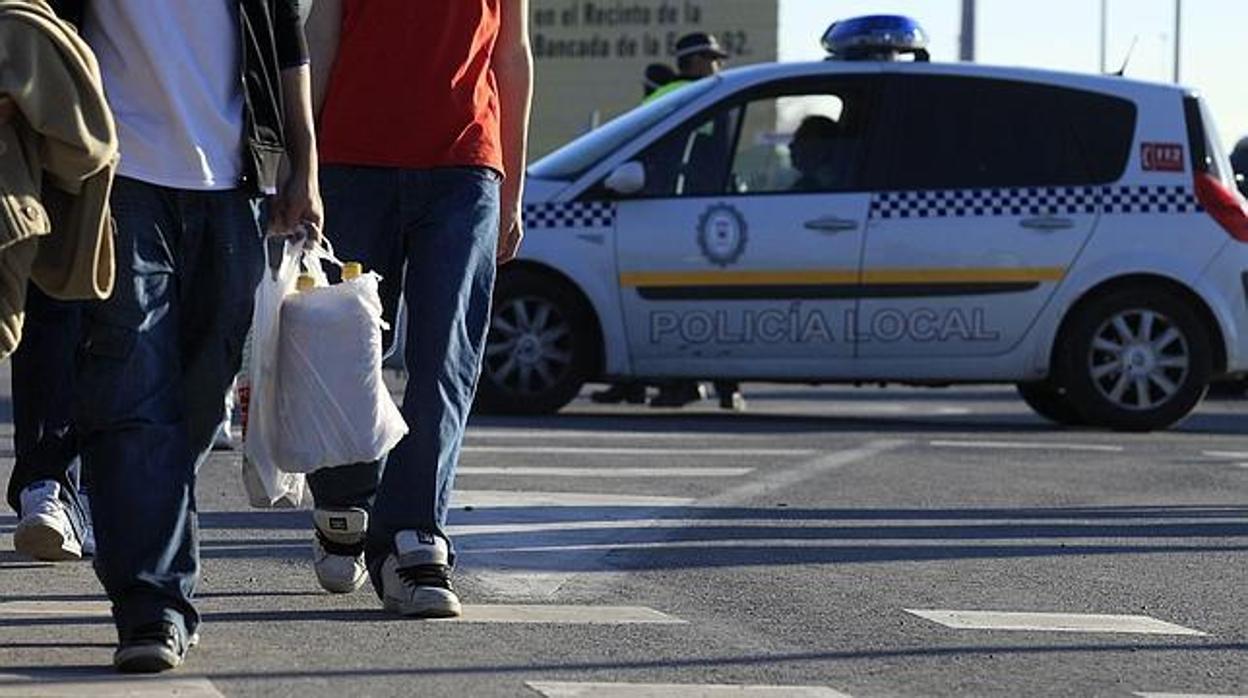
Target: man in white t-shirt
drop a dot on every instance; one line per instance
(208, 95)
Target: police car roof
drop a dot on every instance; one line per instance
(1110, 84)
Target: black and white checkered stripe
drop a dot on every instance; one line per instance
(1034, 201)
(982, 203)
(1156, 198)
(594, 214)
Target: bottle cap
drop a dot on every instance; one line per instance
(352, 270)
(305, 282)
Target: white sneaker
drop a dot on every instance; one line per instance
(45, 532)
(416, 580)
(338, 549)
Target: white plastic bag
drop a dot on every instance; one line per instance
(266, 483)
(332, 404)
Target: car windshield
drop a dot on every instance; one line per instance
(575, 158)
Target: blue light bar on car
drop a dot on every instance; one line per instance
(876, 38)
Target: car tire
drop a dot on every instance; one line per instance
(540, 348)
(1051, 403)
(1135, 359)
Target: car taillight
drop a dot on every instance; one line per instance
(1226, 205)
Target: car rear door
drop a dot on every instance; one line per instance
(989, 198)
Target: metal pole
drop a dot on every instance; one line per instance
(1104, 36)
(966, 50)
(1178, 39)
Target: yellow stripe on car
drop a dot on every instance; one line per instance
(841, 277)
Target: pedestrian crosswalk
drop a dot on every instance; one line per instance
(529, 531)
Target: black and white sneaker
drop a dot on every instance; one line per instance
(150, 649)
(416, 578)
(338, 549)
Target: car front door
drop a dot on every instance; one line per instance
(740, 256)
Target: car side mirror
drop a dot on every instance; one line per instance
(627, 179)
(1242, 182)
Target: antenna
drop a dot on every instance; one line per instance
(1127, 61)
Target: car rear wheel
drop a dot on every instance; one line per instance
(539, 351)
(1136, 360)
(1051, 403)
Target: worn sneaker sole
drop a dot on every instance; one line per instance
(429, 602)
(146, 659)
(36, 538)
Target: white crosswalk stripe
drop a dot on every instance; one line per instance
(1052, 622)
(642, 452)
(1028, 446)
(484, 499)
(60, 684)
(562, 614)
(559, 689)
(603, 472)
(70, 608)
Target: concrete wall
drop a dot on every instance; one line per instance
(590, 54)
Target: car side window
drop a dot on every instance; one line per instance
(794, 139)
(802, 143)
(972, 133)
(693, 160)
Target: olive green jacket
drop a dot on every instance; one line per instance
(57, 161)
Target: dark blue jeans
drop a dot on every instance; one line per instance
(158, 358)
(442, 225)
(45, 442)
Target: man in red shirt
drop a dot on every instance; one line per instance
(424, 111)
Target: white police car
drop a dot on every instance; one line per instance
(866, 219)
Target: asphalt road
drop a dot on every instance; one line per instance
(828, 542)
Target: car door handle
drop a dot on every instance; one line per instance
(1047, 224)
(832, 224)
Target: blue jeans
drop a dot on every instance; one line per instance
(442, 225)
(158, 359)
(45, 442)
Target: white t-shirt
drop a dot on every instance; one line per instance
(171, 75)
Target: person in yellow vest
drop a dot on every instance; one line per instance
(698, 55)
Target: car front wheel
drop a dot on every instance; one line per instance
(1135, 360)
(540, 346)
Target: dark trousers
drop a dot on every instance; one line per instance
(45, 442)
(159, 357)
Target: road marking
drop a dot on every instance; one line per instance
(564, 615)
(1052, 622)
(607, 472)
(1241, 456)
(84, 609)
(60, 684)
(485, 499)
(595, 451)
(1028, 446)
(775, 481)
(1229, 455)
(561, 689)
(585, 434)
(527, 576)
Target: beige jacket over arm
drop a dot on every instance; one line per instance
(57, 161)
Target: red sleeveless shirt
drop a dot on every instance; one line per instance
(412, 86)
